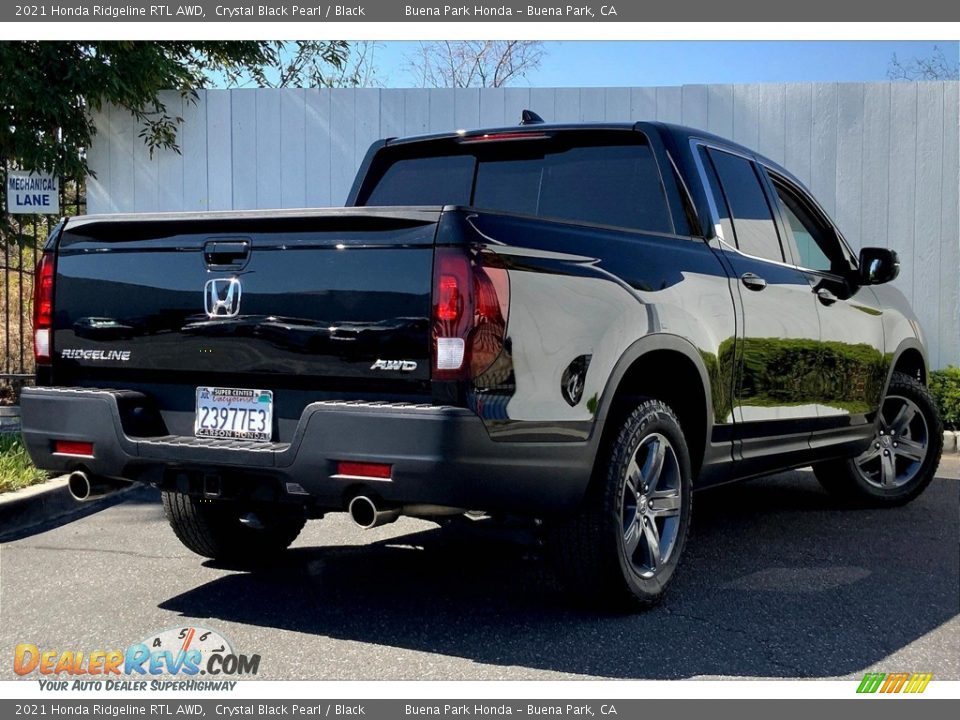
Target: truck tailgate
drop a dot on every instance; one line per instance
(302, 299)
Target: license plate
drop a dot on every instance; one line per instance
(234, 413)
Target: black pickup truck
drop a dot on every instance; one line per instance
(577, 324)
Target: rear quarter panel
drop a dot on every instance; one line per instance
(580, 297)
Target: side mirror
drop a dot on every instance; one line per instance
(878, 265)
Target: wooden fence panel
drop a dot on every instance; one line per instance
(881, 157)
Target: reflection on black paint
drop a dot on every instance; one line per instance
(777, 372)
(573, 379)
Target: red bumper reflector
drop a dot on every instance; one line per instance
(71, 447)
(360, 469)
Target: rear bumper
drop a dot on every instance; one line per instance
(439, 455)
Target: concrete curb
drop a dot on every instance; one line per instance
(37, 506)
(951, 442)
(9, 419)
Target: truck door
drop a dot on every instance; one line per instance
(775, 390)
(853, 367)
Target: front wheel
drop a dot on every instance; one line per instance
(902, 457)
(621, 550)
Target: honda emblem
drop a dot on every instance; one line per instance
(221, 297)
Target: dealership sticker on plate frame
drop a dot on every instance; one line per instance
(234, 413)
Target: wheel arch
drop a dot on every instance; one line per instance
(910, 358)
(639, 372)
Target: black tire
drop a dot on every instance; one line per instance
(591, 547)
(852, 479)
(213, 529)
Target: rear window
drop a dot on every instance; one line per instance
(442, 180)
(602, 181)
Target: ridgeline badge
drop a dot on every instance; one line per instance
(95, 355)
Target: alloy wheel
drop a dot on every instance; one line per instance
(650, 505)
(900, 446)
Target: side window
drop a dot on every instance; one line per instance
(718, 199)
(685, 217)
(816, 243)
(752, 219)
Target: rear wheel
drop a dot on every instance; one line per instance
(623, 547)
(903, 456)
(225, 531)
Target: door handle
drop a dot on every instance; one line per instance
(753, 282)
(826, 297)
(226, 254)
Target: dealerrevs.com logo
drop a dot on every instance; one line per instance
(185, 658)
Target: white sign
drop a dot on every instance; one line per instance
(32, 193)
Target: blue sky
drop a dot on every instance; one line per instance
(620, 63)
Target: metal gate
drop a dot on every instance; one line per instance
(23, 237)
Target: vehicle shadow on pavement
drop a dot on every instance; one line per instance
(776, 581)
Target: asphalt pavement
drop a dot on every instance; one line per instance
(776, 582)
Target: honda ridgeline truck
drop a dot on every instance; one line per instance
(578, 324)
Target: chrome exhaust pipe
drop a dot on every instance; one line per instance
(365, 513)
(84, 488)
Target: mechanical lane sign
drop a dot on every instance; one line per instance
(32, 193)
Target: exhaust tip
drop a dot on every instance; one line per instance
(85, 488)
(363, 512)
(79, 486)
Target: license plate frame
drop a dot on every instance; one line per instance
(233, 414)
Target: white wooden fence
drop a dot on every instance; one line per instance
(883, 158)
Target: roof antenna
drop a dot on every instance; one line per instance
(529, 117)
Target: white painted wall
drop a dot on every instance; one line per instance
(882, 158)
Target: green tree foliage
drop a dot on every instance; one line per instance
(49, 89)
(310, 63)
(945, 386)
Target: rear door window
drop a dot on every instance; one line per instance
(723, 211)
(750, 214)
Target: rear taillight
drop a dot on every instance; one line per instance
(43, 310)
(470, 302)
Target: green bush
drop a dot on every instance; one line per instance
(945, 386)
(16, 469)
